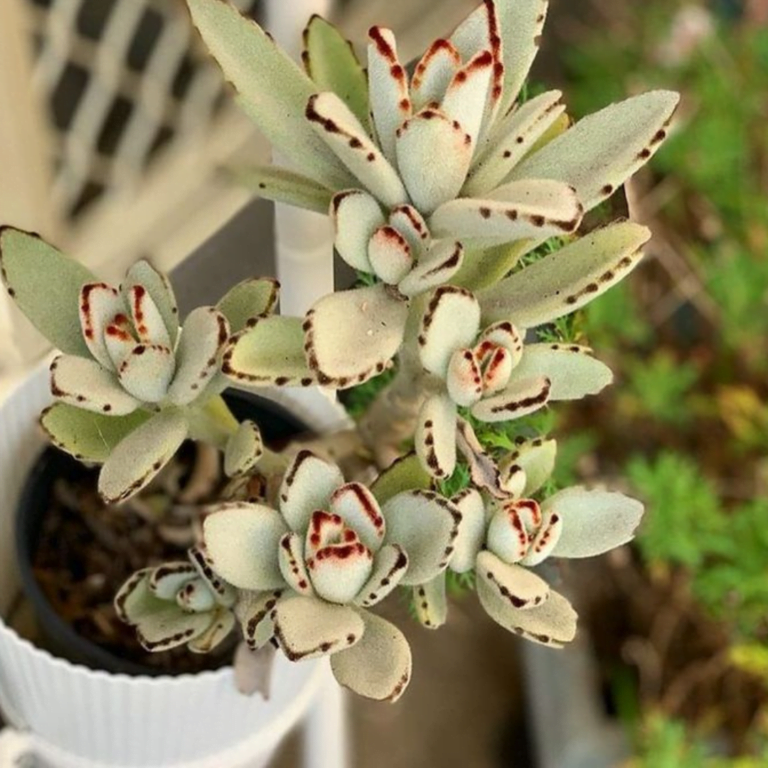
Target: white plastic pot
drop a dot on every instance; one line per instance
(73, 717)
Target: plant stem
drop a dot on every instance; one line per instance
(212, 422)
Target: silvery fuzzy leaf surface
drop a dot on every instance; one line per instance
(389, 101)
(157, 285)
(390, 255)
(379, 665)
(433, 154)
(166, 580)
(147, 323)
(567, 279)
(450, 321)
(389, 568)
(292, 564)
(434, 71)
(358, 508)
(242, 541)
(522, 397)
(483, 470)
(283, 186)
(203, 336)
(139, 456)
(518, 586)
(571, 370)
(356, 216)
(430, 603)
(600, 152)
(271, 87)
(147, 371)
(86, 384)
(249, 301)
(307, 628)
(434, 436)
(594, 521)
(471, 530)
(341, 567)
(308, 484)
(255, 612)
(343, 133)
(536, 458)
(530, 208)
(512, 139)
(269, 351)
(425, 525)
(332, 64)
(437, 265)
(370, 321)
(100, 304)
(552, 623)
(243, 450)
(86, 435)
(46, 286)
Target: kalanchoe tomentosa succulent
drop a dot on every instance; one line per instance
(178, 603)
(328, 555)
(437, 177)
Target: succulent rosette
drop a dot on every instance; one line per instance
(317, 565)
(132, 383)
(501, 539)
(179, 603)
(490, 372)
(443, 175)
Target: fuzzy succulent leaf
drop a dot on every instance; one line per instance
(147, 371)
(331, 62)
(451, 321)
(434, 154)
(203, 336)
(571, 370)
(271, 88)
(333, 121)
(270, 351)
(389, 568)
(379, 665)
(369, 321)
(530, 208)
(522, 588)
(138, 457)
(221, 627)
(438, 265)
(425, 525)
(85, 384)
(308, 484)
(435, 435)
(357, 507)
(404, 474)
(254, 611)
(567, 279)
(45, 285)
(552, 623)
(249, 300)
(86, 435)
(537, 459)
(600, 152)
(512, 139)
(283, 186)
(307, 628)
(521, 397)
(356, 216)
(431, 603)
(242, 541)
(159, 289)
(471, 530)
(244, 449)
(593, 521)
(167, 579)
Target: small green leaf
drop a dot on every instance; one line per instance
(331, 62)
(85, 435)
(283, 186)
(248, 301)
(406, 474)
(45, 284)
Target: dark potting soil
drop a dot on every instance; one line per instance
(87, 549)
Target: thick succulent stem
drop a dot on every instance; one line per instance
(391, 419)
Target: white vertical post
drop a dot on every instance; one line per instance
(303, 239)
(326, 736)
